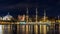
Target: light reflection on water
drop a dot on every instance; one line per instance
(1, 31)
(12, 29)
(23, 29)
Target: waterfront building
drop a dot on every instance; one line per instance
(7, 17)
(1, 18)
(42, 26)
(21, 17)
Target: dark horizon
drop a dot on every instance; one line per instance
(32, 11)
(52, 7)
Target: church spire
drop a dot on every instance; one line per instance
(36, 15)
(58, 17)
(44, 15)
(8, 13)
(27, 11)
(27, 14)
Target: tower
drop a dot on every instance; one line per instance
(58, 17)
(27, 15)
(44, 15)
(8, 13)
(36, 14)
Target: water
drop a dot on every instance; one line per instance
(27, 29)
(1, 31)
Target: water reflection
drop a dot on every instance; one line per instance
(26, 29)
(20, 29)
(1, 30)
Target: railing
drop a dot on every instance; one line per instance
(31, 29)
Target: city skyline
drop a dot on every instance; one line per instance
(29, 16)
(31, 11)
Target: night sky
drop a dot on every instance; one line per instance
(15, 7)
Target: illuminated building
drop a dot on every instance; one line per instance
(1, 18)
(26, 19)
(21, 17)
(7, 17)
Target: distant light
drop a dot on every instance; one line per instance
(23, 22)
